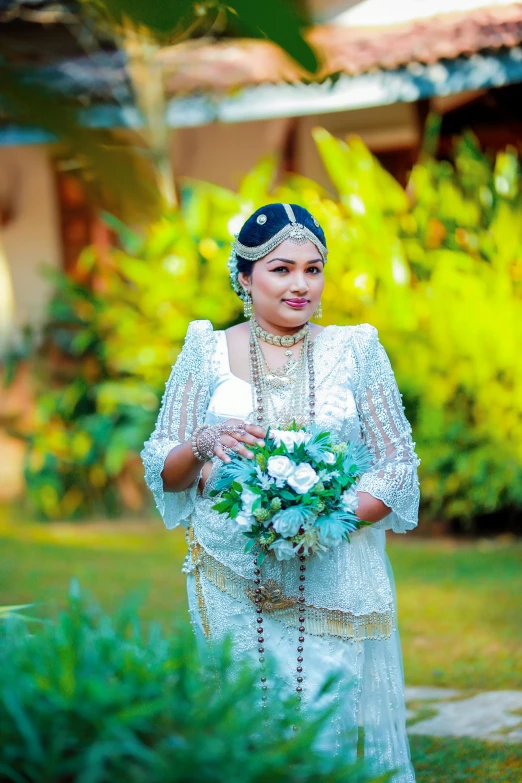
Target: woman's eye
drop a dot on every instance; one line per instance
(285, 269)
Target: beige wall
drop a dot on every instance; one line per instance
(223, 153)
(32, 236)
(382, 128)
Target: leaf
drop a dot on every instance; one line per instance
(250, 545)
(237, 486)
(261, 556)
(222, 507)
(234, 511)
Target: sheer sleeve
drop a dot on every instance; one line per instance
(182, 409)
(393, 476)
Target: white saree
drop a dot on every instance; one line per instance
(351, 624)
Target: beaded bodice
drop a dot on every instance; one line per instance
(357, 397)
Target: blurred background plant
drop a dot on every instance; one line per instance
(436, 267)
(88, 697)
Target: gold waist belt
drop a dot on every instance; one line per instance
(319, 621)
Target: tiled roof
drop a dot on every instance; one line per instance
(198, 66)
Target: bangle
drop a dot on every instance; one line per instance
(194, 442)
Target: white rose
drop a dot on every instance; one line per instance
(329, 458)
(303, 478)
(280, 467)
(350, 500)
(290, 438)
(245, 521)
(282, 549)
(248, 497)
(287, 525)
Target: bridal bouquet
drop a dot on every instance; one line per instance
(297, 496)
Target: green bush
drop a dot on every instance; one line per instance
(436, 267)
(87, 699)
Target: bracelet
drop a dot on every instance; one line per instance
(212, 435)
(194, 442)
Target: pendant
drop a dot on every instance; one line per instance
(288, 352)
(278, 381)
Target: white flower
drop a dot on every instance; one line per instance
(329, 458)
(290, 438)
(350, 500)
(245, 521)
(280, 467)
(331, 532)
(287, 525)
(248, 497)
(265, 482)
(283, 549)
(303, 478)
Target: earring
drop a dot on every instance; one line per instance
(318, 312)
(247, 304)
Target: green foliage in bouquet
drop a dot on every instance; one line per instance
(92, 699)
(437, 268)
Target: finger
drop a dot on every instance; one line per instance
(238, 447)
(256, 432)
(220, 452)
(247, 438)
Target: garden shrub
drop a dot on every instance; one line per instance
(90, 699)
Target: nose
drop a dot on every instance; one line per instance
(299, 283)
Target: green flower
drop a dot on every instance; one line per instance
(262, 514)
(267, 537)
(321, 506)
(275, 505)
(319, 487)
(261, 461)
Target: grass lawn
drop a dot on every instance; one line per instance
(458, 603)
(458, 611)
(445, 760)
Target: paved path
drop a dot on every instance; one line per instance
(443, 712)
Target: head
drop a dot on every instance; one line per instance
(287, 270)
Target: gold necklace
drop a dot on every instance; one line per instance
(299, 405)
(280, 377)
(286, 340)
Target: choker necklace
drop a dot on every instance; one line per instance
(286, 340)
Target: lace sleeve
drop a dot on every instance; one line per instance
(393, 476)
(182, 409)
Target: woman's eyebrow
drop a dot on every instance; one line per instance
(288, 261)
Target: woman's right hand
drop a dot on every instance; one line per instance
(253, 434)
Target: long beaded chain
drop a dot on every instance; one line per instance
(262, 398)
(261, 394)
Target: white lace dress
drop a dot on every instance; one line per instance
(351, 625)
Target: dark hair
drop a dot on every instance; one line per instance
(253, 234)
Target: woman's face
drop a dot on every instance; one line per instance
(289, 272)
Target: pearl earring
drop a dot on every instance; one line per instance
(247, 304)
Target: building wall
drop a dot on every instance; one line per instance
(32, 235)
(384, 129)
(221, 153)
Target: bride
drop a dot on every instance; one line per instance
(225, 389)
